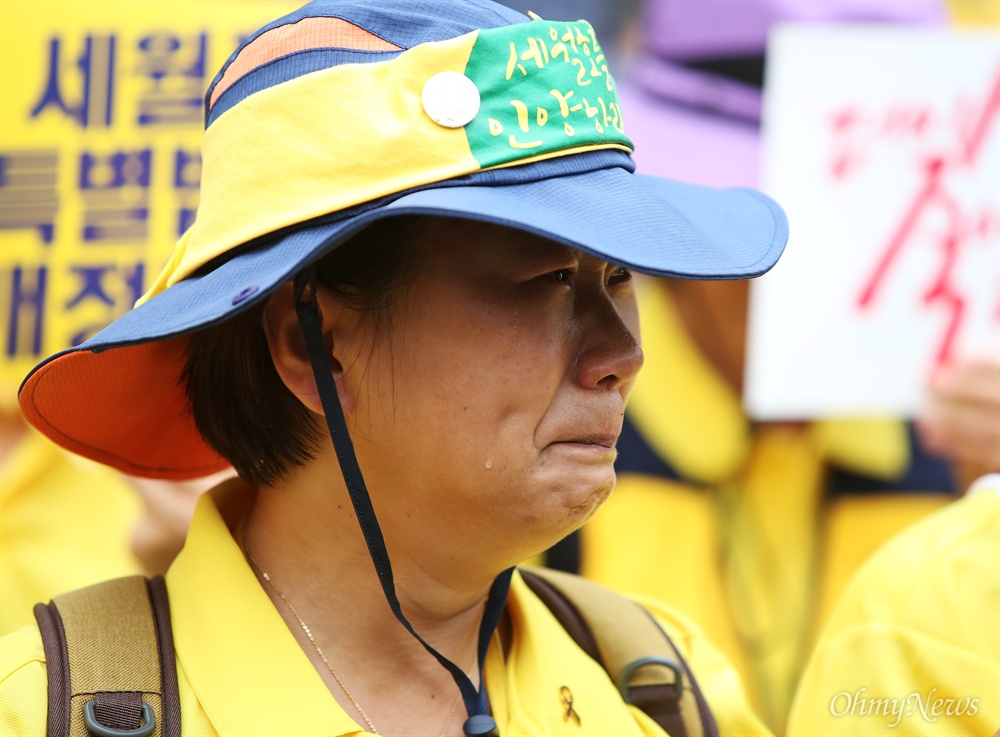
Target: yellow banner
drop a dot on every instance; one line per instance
(101, 116)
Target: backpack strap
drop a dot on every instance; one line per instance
(109, 655)
(631, 646)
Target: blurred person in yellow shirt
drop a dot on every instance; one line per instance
(913, 645)
(66, 522)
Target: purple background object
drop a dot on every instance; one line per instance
(699, 29)
(693, 124)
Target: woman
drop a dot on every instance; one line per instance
(409, 241)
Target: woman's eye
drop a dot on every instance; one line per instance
(562, 275)
(620, 275)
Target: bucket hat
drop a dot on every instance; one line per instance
(347, 112)
(343, 113)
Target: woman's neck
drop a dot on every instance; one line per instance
(304, 534)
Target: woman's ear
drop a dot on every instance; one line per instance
(288, 346)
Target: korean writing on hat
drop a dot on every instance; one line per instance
(580, 50)
(553, 91)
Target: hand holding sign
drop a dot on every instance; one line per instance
(961, 419)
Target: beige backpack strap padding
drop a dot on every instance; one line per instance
(633, 648)
(106, 637)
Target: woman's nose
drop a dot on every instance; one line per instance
(610, 353)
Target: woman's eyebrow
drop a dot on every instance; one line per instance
(544, 251)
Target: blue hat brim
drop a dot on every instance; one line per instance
(652, 225)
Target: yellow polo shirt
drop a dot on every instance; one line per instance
(242, 673)
(913, 646)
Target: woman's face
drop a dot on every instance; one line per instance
(490, 407)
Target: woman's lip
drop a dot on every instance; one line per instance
(604, 441)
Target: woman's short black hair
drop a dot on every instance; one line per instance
(240, 405)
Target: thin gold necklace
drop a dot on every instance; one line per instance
(319, 650)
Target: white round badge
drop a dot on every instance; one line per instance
(450, 99)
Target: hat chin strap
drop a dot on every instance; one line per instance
(479, 722)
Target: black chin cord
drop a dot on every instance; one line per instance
(479, 723)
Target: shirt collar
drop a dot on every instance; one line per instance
(246, 668)
(250, 676)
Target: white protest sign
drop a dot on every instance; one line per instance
(883, 146)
